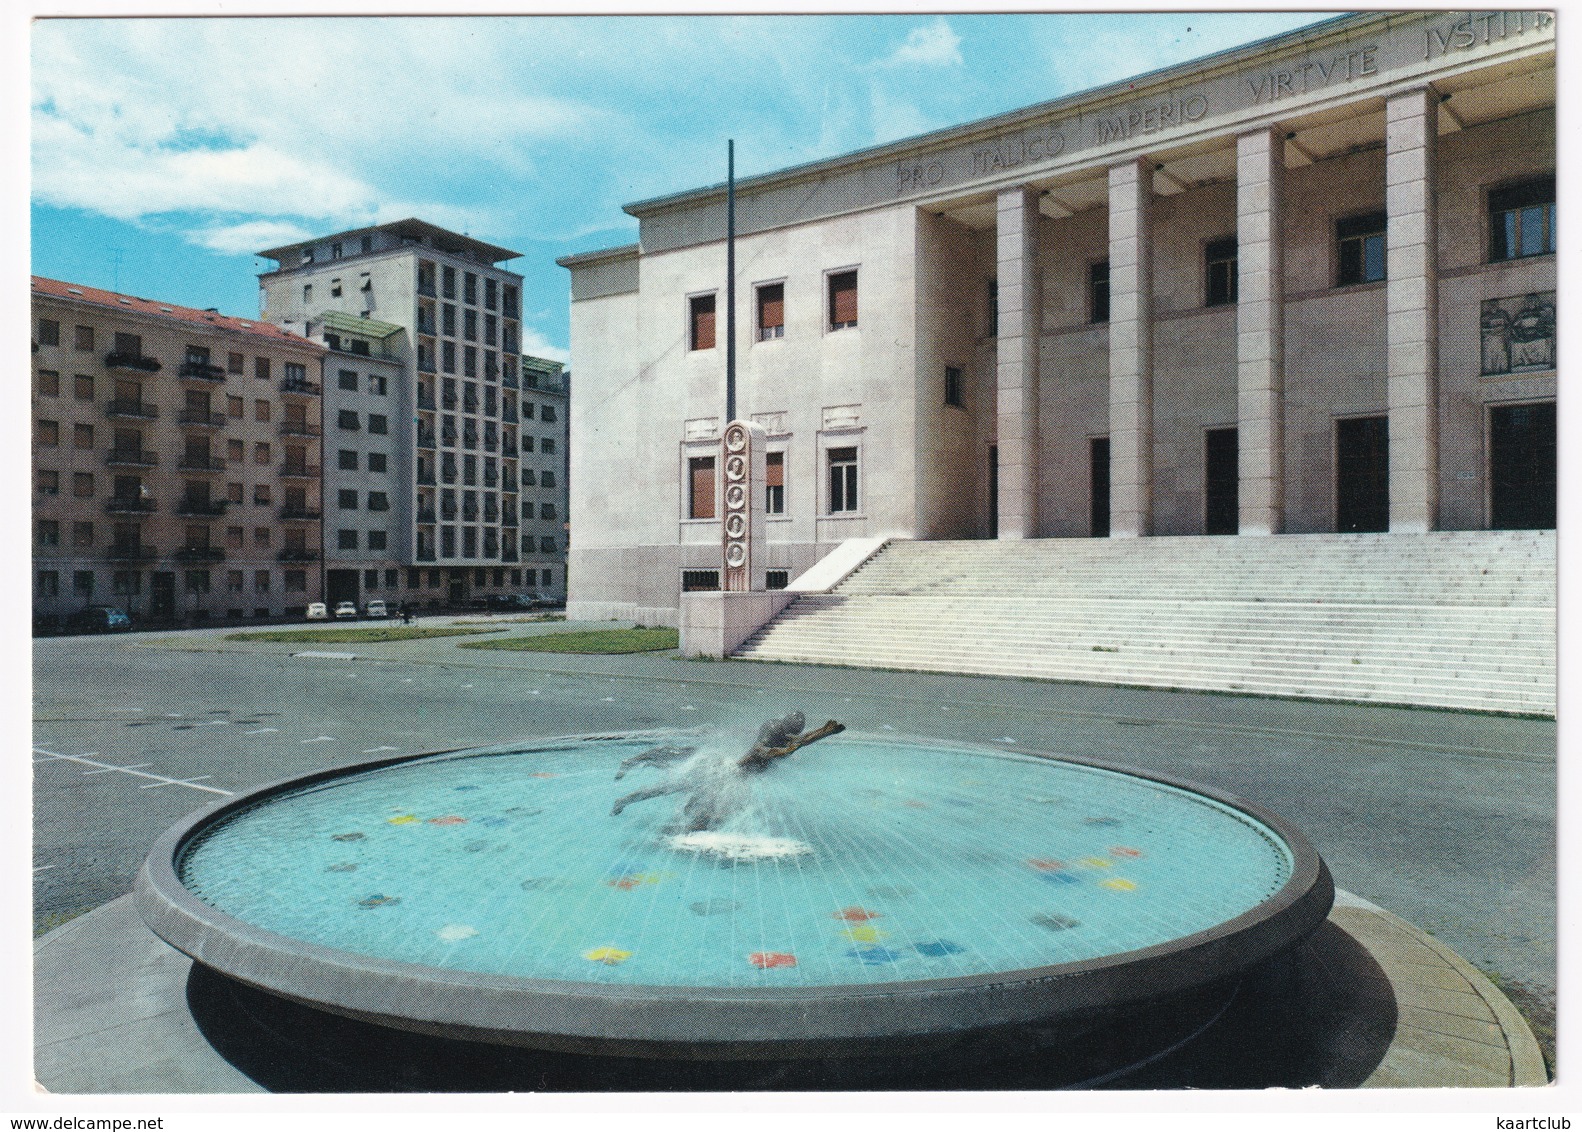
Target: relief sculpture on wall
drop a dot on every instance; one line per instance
(1518, 334)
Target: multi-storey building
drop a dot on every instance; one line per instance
(1307, 285)
(454, 408)
(543, 464)
(176, 460)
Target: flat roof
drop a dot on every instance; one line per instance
(443, 239)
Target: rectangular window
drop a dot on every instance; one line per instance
(1099, 292)
(994, 308)
(379, 540)
(347, 419)
(547, 444)
(347, 379)
(48, 434)
(346, 540)
(126, 582)
(197, 581)
(48, 332)
(235, 408)
(48, 482)
(699, 581)
(469, 361)
(261, 369)
(82, 485)
(377, 384)
(776, 579)
(346, 499)
(260, 581)
(82, 534)
(378, 501)
(548, 415)
(1219, 266)
(377, 462)
(469, 288)
(233, 363)
(771, 311)
(48, 383)
(296, 373)
(261, 495)
(234, 581)
(235, 537)
(82, 582)
(1359, 249)
(48, 532)
(260, 410)
(235, 450)
(378, 424)
(447, 357)
(48, 583)
(700, 487)
(842, 300)
(1522, 219)
(842, 480)
(262, 454)
(233, 492)
(82, 339)
(346, 460)
(775, 483)
(953, 392)
(82, 435)
(547, 479)
(700, 322)
(82, 387)
(296, 581)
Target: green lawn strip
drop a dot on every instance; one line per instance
(349, 636)
(592, 641)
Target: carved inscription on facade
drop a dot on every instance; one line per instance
(1482, 28)
(1151, 118)
(1304, 77)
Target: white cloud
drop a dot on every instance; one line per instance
(249, 236)
(932, 45)
(535, 345)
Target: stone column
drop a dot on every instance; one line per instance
(1131, 350)
(1412, 310)
(1020, 322)
(1260, 338)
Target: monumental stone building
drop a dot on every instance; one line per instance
(176, 462)
(1307, 285)
(424, 413)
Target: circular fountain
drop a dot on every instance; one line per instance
(867, 897)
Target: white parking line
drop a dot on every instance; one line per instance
(260, 731)
(179, 782)
(321, 739)
(376, 750)
(159, 779)
(108, 769)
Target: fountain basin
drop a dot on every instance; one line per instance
(875, 895)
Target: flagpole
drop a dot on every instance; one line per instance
(730, 280)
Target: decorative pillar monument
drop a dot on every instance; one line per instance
(745, 463)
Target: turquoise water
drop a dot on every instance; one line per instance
(900, 862)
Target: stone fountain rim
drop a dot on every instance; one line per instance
(527, 1011)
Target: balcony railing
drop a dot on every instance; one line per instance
(130, 552)
(200, 554)
(298, 554)
(298, 428)
(202, 371)
(130, 505)
(300, 471)
(201, 417)
(211, 508)
(301, 386)
(131, 458)
(198, 462)
(125, 407)
(118, 360)
(299, 513)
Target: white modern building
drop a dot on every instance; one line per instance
(1307, 285)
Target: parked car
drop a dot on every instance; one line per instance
(318, 611)
(99, 619)
(346, 611)
(376, 609)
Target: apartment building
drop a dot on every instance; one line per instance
(544, 465)
(176, 460)
(452, 445)
(1307, 285)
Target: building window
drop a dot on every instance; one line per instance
(546, 510)
(1219, 267)
(233, 363)
(82, 435)
(260, 581)
(699, 581)
(48, 483)
(234, 581)
(197, 581)
(842, 480)
(346, 540)
(469, 325)
(48, 583)
(82, 534)
(842, 300)
(296, 581)
(700, 487)
(48, 532)
(548, 415)
(376, 462)
(953, 393)
(260, 410)
(48, 383)
(469, 288)
(378, 540)
(82, 387)
(261, 369)
(126, 582)
(700, 322)
(378, 424)
(547, 444)
(1099, 291)
(346, 499)
(776, 579)
(346, 460)
(82, 485)
(48, 332)
(262, 452)
(307, 293)
(378, 501)
(771, 311)
(347, 379)
(83, 339)
(348, 420)
(1522, 219)
(235, 408)
(377, 384)
(775, 483)
(993, 308)
(546, 479)
(48, 434)
(82, 582)
(1359, 249)
(261, 495)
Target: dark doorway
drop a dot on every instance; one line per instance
(1362, 474)
(162, 596)
(1221, 514)
(1099, 486)
(1522, 467)
(340, 585)
(994, 491)
(456, 587)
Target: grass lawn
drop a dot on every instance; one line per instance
(348, 636)
(592, 641)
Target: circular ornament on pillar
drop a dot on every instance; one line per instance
(735, 554)
(735, 496)
(735, 438)
(736, 525)
(735, 467)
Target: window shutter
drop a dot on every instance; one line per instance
(843, 297)
(702, 503)
(772, 305)
(775, 469)
(703, 322)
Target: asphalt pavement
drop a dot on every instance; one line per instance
(1445, 819)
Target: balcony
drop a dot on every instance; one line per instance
(490, 480)
(424, 554)
(131, 458)
(298, 554)
(426, 479)
(448, 514)
(129, 552)
(140, 410)
(448, 435)
(201, 417)
(208, 508)
(508, 448)
(425, 362)
(425, 401)
(425, 325)
(300, 514)
(469, 404)
(201, 371)
(425, 438)
(490, 515)
(508, 414)
(200, 462)
(426, 516)
(298, 428)
(426, 287)
(130, 505)
(200, 554)
(299, 471)
(448, 400)
(300, 386)
(118, 360)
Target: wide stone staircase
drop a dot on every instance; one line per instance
(1456, 619)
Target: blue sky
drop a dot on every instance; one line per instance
(165, 152)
